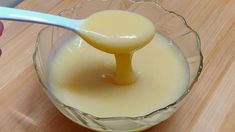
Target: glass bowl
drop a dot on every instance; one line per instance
(168, 23)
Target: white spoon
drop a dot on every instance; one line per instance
(41, 18)
(114, 43)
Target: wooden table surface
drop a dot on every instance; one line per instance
(24, 107)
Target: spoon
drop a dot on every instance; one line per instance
(41, 18)
(114, 43)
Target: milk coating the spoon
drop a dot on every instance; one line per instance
(117, 32)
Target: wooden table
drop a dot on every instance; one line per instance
(24, 107)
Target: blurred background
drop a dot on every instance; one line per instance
(9, 3)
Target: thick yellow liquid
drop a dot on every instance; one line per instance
(78, 79)
(120, 33)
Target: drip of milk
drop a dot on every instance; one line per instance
(120, 33)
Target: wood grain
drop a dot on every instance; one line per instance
(210, 107)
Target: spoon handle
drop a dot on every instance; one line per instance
(41, 18)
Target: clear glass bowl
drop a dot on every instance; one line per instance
(166, 22)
